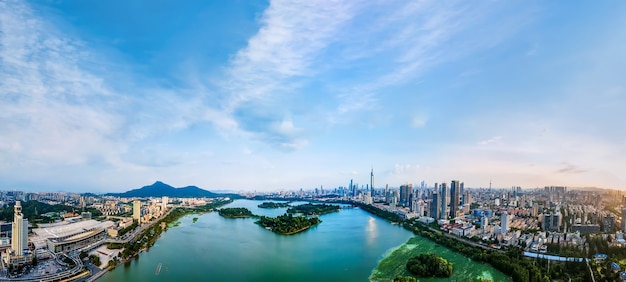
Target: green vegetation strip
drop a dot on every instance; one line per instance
(273, 205)
(235, 212)
(287, 224)
(311, 209)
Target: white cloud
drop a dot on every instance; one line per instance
(290, 37)
(51, 107)
(418, 122)
(492, 140)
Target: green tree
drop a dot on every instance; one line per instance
(404, 279)
(429, 265)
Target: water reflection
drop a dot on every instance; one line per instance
(371, 232)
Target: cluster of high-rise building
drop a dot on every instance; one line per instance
(446, 202)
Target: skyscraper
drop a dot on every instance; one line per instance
(17, 238)
(434, 206)
(467, 201)
(387, 193)
(372, 183)
(164, 203)
(623, 219)
(504, 223)
(404, 194)
(352, 189)
(455, 188)
(444, 201)
(137, 210)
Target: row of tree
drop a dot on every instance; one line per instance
(313, 209)
(235, 212)
(273, 205)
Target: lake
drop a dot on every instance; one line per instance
(346, 246)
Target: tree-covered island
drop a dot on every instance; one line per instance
(429, 265)
(235, 212)
(273, 205)
(311, 209)
(288, 224)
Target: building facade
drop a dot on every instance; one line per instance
(137, 210)
(455, 189)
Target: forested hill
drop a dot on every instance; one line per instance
(33, 210)
(160, 189)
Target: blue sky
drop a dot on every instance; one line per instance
(249, 95)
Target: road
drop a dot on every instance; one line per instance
(133, 235)
(466, 241)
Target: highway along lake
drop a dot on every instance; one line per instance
(347, 246)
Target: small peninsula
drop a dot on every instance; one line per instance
(273, 205)
(287, 224)
(311, 209)
(235, 212)
(429, 265)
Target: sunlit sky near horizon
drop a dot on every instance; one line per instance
(106, 96)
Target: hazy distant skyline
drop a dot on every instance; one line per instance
(105, 96)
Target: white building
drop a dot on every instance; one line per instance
(164, 203)
(17, 239)
(137, 210)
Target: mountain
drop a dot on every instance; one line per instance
(160, 189)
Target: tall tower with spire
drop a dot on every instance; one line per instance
(17, 239)
(372, 183)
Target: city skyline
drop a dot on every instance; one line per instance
(96, 97)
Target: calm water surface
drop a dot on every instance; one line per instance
(346, 246)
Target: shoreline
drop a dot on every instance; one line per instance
(185, 212)
(297, 231)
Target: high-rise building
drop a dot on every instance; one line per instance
(624, 219)
(387, 193)
(552, 222)
(25, 233)
(405, 191)
(352, 189)
(434, 206)
(504, 223)
(137, 210)
(467, 201)
(608, 222)
(444, 201)
(372, 183)
(455, 188)
(17, 238)
(484, 222)
(164, 203)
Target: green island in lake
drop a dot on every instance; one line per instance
(273, 205)
(287, 224)
(235, 212)
(429, 265)
(311, 209)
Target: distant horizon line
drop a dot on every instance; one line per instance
(308, 189)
